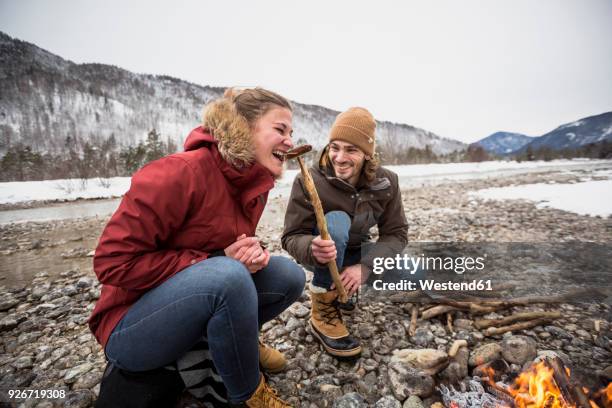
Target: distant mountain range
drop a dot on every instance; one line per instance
(592, 129)
(45, 99)
(504, 142)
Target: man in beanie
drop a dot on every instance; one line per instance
(356, 194)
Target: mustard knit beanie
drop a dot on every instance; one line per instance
(357, 127)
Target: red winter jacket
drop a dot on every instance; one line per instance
(178, 210)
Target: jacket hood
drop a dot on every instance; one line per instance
(223, 125)
(197, 138)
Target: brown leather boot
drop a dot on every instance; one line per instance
(270, 359)
(265, 397)
(327, 325)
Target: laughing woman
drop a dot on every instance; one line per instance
(179, 260)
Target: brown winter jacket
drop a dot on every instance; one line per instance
(376, 203)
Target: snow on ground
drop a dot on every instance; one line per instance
(482, 167)
(67, 189)
(588, 198)
(72, 189)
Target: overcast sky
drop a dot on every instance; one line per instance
(461, 69)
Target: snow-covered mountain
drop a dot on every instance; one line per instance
(502, 143)
(592, 129)
(45, 99)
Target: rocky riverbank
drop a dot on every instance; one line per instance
(45, 342)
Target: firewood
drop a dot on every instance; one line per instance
(501, 391)
(549, 402)
(597, 325)
(483, 306)
(517, 317)
(449, 322)
(492, 331)
(457, 344)
(414, 313)
(436, 311)
(409, 297)
(572, 393)
(475, 304)
(471, 307)
(501, 287)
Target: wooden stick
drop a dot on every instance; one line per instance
(414, 313)
(503, 393)
(322, 225)
(502, 287)
(492, 331)
(561, 380)
(505, 303)
(436, 311)
(416, 296)
(517, 317)
(457, 344)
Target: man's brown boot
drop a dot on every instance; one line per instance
(265, 397)
(271, 360)
(327, 325)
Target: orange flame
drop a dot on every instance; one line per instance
(536, 388)
(607, 394)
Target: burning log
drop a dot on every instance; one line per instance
(484, 323)
(493, 331)
(546, 384)
(572, 393)
(503, 393)
(550, 401)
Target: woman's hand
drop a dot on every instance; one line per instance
(249, 251)
(260, 262)
(240, 247)
(323, 250)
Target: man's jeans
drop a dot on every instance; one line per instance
(217, 298)
(338, 226)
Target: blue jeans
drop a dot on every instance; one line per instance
(338, 226)
(217, 298)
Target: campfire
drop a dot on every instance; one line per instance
(546, 384)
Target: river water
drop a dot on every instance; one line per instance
(19, 267)
(407, 178)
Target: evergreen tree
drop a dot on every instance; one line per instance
(154, 147)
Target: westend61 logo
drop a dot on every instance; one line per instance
(412, 264)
